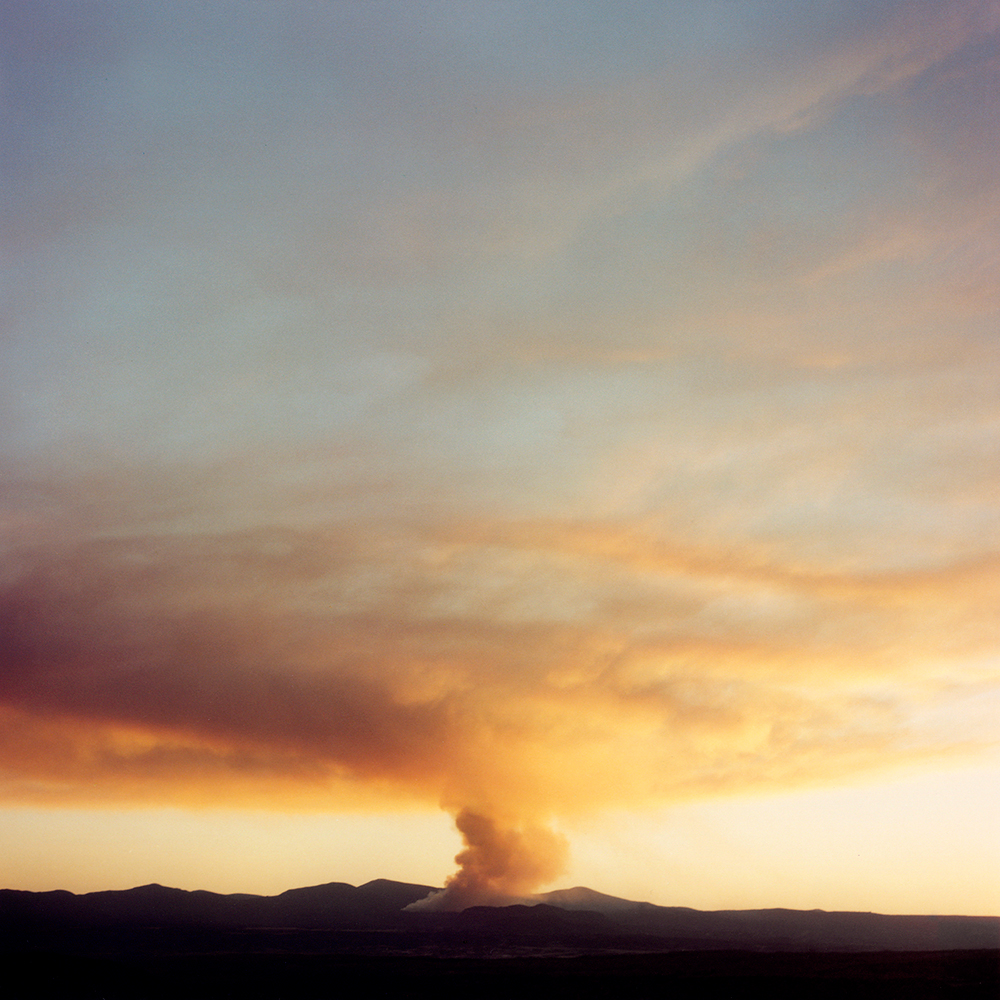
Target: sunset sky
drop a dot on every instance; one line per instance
(580, 420)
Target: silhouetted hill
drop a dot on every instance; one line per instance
(156, 943)
(581, 898)
(334, 905)
(590, 920)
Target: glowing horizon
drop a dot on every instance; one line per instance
(578, 422)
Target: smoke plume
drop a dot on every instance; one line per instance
(362, 664)
(500, 864)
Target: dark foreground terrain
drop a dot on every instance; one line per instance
(680, 974)
(328, 941)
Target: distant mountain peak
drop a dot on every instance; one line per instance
(582, 898)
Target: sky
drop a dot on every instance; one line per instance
(517, 444)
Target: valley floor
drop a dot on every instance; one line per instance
(706, 975)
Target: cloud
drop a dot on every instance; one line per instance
(512, 673)
(339, 626)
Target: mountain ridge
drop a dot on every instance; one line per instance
(579, 916)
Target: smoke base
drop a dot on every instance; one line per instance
(501, 864)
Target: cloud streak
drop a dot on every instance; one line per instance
(557, 667)
(512, 673)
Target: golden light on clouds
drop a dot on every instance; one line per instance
(557, 666)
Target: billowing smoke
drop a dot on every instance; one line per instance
(500, 863)
(371, 666)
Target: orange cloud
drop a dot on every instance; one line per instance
(458, 666)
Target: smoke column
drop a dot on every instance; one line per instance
(500, 864)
